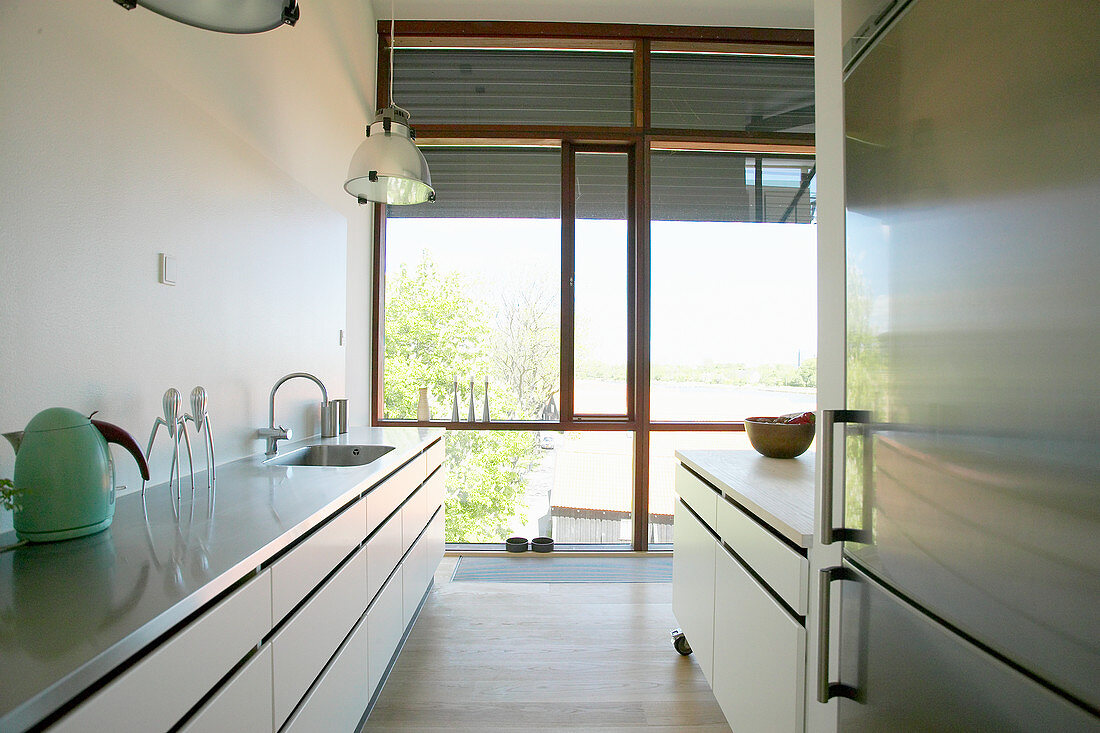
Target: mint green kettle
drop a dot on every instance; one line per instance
(65, 475)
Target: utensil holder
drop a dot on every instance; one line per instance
(340, 407)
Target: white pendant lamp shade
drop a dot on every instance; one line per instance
(388, 167)
(226, 16)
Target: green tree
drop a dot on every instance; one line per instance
(526, 345)
(436, 332)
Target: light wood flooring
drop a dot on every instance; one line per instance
(535, 657)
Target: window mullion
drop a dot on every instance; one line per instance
(568, 273)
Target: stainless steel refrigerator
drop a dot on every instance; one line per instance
(969, 593)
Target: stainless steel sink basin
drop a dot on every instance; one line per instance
(331, 455)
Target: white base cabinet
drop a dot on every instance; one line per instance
(760, 653)
(333, 610)
(693, 586)
(341, 695)
(746, 629)
(243, 704)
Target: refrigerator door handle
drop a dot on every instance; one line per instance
(829, 418)
(827, 690)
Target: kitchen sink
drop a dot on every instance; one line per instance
(331, 455)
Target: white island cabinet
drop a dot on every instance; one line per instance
(303, 642)
(740, 581)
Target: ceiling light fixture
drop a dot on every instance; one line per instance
(226, 16)
(387, 167)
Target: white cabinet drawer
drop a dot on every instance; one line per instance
(434, 456)
(693, 585)
(242, 705)
(697, 494)
(384, 630)
(304, 645)
(434, 492)
(298, 572)
(435, 539)
(384, 499)
(412, 581)
(160, 689)
(418, 568)
(759, 654)
(413, 518)
(384, 552)
(339, 698)
(785, 570)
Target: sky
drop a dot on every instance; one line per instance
(721, 291)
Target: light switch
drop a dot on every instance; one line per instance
(167, 269)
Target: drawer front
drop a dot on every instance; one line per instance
(243, 705)
(419, 567)
(305, 644)
(781, 567)
(384, 630)
(434, 457)
(413, 518)
(384, 552)
(434, 492)
(298, 572)
(160, 689)
(384, 499)
(412, 581)
(759, 654)
(693, 585)
(339, 699)
(435, 541)
(698, 495)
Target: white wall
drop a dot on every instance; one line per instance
(126, 134)
(752, 13)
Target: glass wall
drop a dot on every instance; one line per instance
(575, 487)
(732, 91)
(734, 300)
(473, 289)
(481, 289)
(514, 86)
(601, 289)
(662, 472)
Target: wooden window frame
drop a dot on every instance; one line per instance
(637, 141)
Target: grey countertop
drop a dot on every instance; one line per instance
(778, 491)
(72, 611)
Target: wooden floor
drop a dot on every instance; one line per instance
(534, 657)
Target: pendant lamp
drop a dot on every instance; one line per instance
(387, 167)
(226, 16)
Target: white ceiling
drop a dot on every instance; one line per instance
(758, 13)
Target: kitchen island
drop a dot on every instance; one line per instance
(165, 613)
(743, 528)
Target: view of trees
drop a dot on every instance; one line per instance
(441, 327)
(437, 333)
(740, 375)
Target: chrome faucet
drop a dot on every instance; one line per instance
(275, 434)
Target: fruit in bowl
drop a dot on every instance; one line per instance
(786, 436)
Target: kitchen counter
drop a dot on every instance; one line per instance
(778, 492)
(71, 612)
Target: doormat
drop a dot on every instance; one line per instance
(535, 569)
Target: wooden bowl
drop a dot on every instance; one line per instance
(779, 440)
